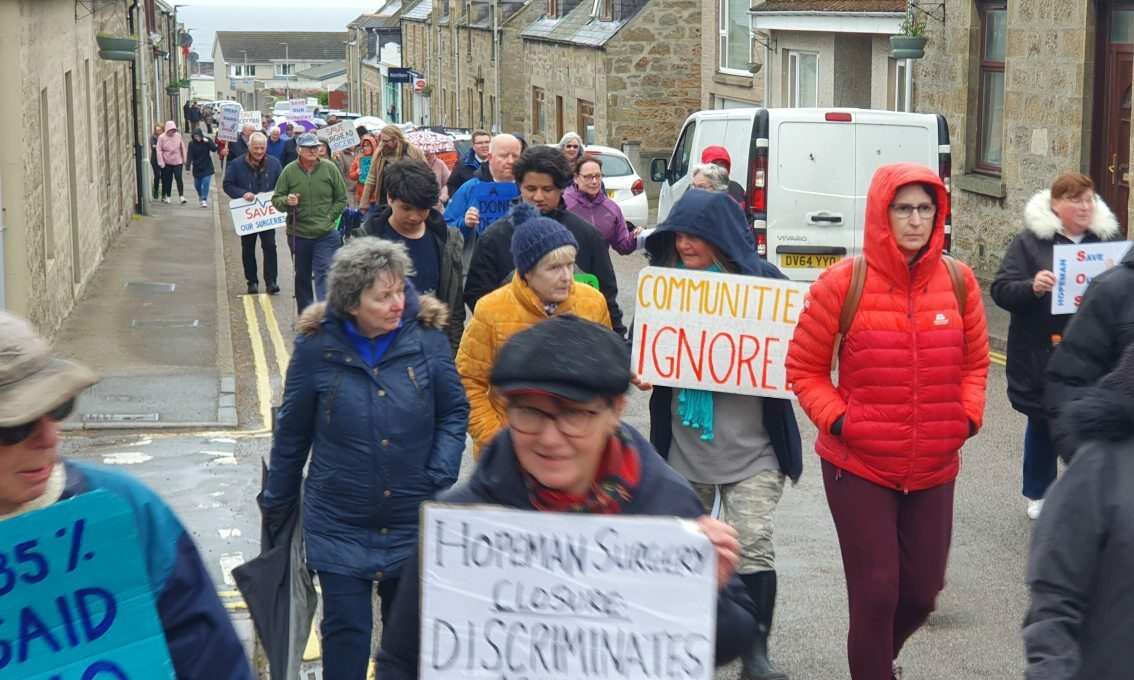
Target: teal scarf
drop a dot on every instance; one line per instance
(695, 407)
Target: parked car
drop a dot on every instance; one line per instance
(805, 173)
(623, 185)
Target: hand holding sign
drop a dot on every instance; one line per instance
(255, 213)
(1043, 282)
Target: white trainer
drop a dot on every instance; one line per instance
(165, 200)
(183, 201)
(204, 204)
(1035, 508)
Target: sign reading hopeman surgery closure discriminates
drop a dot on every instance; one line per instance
(75, 598)
(250, 217)
(1076, 265)
(715, 332)
(513, 594)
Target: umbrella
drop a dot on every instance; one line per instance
(371, 123)
(431, 142)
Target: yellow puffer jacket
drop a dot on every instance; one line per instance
(498, 316)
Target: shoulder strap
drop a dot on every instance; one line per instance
(958, 278)
(850, 306)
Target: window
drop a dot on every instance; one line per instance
(45, 168)
(736, 45)
(242, 70)
(538, 122)
(803, 79)
(683, 154)
(990, 96)
(896, 98)
(603, 10)
(285, 69)
(587, 121)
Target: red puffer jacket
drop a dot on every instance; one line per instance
(911, 372)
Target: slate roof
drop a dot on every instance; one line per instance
(324, 71)
(264, 46)
(419, 12)
(577, 27)
(810, 6)
(359, 22)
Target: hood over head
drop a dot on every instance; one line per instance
(170, 125)
(371, 139)
(1105, 412)
(713, 217)
(879, 247)
(713, 154)
(1042, 221)
(197, 134)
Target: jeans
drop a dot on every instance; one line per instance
(312, 257)
(1040, 462)
(201, 184)
(248, 255)
(348, 623)
(168, 174)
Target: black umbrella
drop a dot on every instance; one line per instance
(277, 588)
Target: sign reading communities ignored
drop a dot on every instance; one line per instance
(513, 594)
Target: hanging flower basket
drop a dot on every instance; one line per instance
(117, 55)
(172, 90)
(427, 91)
(907, 46)
(112, 43)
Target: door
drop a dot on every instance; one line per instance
(1110, 166)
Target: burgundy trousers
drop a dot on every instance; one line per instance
(895, 548)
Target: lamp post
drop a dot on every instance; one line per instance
(287, 78)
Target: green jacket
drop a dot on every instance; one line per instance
(322, 198)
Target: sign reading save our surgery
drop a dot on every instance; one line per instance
(250, 217)
(75, 598)
(1076, 265)
(715, 332)
(512, 594)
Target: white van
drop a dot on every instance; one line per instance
(805, 173)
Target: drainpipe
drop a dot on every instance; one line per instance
(496, 122)
(457, 76)
(143, 203)
(767, 71)
(909, 85)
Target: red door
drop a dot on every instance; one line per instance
(1110, 166)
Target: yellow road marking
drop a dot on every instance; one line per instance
(263, 387)
(282, 355)
(998, 358)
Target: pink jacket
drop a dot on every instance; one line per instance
(170, 148)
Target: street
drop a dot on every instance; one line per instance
(210, 472)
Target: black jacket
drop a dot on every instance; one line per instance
(237, 149)
(451, 289)
(463, 172)
(1033, 327)
(241, 177)
(492, 263)
(497, 481)
(1081, 565)
(291, 151)
(1094, 340)
(200, 156)
(699, 213)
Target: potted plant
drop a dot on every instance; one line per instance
(173, 90)
(910, 42)
(426, 90)
(117, 48)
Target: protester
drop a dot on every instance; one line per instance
(291, 151)
(1081, 563)
(435, 247)
(571, 145)
(312, 193)
(154, 166)
(360, 167)
(441, 174)
(710, 177)
(250, 174)
(344, 161)
(911, 391)
(587, 199)
(718, 155)
(388, 435)
(325, 151)
(171, 160)
(542, 286)
(37, 392)
(541, 173)
(503, 152)
(1069, 212)
(200, 156)
(392, 146)
(465, 169)
(240, 146)
(714, 439)
(277, 145)
(565, 449)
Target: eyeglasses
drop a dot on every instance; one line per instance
(571, 422)
(905, 211)
(591, 178)
(570, 146)
(1080, 201)
(10, 436)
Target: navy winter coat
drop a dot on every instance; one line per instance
(242, 177)
(498, 481)
(702, 213)
(382, 439)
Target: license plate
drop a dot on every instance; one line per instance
(808, 261)
(610, 193)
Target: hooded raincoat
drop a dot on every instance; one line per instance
(170, 147)
(360, 166)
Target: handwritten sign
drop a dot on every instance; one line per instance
(715, 332)
(1076, 265)
(511, 594)
(252, 117)
(493, 200)
(75, 595)
(251, 217)
(229, 124)
(340, 136)
(298, 109)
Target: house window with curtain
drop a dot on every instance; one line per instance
(735, 40)
(285, 69)
(538, 121)
(990, 93)
(803, 79)
(587, 121)
(603, 10)
(552, 9)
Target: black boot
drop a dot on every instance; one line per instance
(761, 587)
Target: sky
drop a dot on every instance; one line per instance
(206, 17)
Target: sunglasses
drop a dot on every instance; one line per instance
(10, 436)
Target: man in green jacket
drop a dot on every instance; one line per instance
(312, 193)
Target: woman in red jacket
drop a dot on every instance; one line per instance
(910, 391)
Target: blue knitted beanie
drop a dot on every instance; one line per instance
(536, 236)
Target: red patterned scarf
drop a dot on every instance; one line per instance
(618, 475)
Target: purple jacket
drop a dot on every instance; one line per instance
(605, 215)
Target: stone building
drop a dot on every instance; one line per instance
(731, 63)
(374, 46)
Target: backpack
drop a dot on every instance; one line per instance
(858, 282)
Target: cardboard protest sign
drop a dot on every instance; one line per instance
(715, 332)
(252, 117)
(340, 136)
(492, 200)
(298, 109)
(75, 595)
(512, 594)
(229, 124)
(251, 217)
(1076, 265)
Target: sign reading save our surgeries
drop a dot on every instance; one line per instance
(340, 136)
(75, 598)
(299, 109)
(493, 200)
(229, 124)
(251, 217)
(513, 594)
(715, 332)
(1076, 265)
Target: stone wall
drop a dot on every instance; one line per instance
(372, 91)
(745, 88)
(573, 73)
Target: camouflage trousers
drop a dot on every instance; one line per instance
(747, 506)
